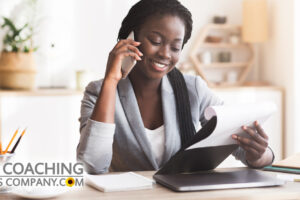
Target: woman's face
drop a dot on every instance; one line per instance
(161, 38)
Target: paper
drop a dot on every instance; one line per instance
(119, 182)
(230, 119)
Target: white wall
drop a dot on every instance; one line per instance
(278, 64)
(296, 75)
(98, 23)
(84, 31)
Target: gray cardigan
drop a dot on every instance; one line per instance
(123, 146)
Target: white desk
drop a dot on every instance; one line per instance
(290, 191)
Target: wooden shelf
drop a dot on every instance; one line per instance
(40, 92)
(242, 68)
(222, 45)
(223, 26)
(224, 65)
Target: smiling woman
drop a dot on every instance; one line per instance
(161, 40)
(140, 122)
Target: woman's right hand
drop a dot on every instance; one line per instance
(122, 49)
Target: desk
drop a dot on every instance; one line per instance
(289, 191)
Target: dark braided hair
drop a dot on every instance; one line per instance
(143, 9)
(187, 129)
(136, 16)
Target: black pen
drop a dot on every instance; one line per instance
(14, 148)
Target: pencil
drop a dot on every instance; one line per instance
(15, 146)
(11, 141)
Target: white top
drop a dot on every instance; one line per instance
(156, 138)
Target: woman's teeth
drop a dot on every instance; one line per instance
(159, 65)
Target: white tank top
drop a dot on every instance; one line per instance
(156, 138)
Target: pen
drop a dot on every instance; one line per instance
(15, 146)
(0, 147)
(11, 141)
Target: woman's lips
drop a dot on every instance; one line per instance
(159, 66)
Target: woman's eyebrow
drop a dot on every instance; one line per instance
(158, 33)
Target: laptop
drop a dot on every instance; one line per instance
(227, 178)
(195, 169)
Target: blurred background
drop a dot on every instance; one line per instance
(247, 51)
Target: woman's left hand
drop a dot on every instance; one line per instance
(256, 147)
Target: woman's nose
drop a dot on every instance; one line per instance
(164, 52)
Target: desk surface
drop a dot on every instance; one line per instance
(291, 190)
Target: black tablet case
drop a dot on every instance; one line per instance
(198, 159)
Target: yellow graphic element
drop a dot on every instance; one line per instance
(70, 182)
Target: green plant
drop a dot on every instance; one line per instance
(20, 27)
(17, 39)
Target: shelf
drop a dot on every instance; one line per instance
(40, 92)
(224, 65)
(223, 26)
(242, 67)
(222, 45)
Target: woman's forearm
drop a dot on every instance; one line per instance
(104, 109)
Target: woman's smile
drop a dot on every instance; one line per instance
(159, 66)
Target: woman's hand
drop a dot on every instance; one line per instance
(256, 147)
(122, 49)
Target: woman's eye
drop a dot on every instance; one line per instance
(155, 42)
(175, 49)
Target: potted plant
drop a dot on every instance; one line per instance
(17, 66)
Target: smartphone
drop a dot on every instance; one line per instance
(128, 62)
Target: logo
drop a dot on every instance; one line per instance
(39, 174)
(70, 182)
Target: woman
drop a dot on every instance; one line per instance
(138, 123)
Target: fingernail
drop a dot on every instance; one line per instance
(234, 136)
(256, 123)
(244, 127)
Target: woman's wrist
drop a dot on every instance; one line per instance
(266, 159)
(110, 82)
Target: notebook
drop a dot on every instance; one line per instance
(290, 162)
(288, 165)
(119, 182)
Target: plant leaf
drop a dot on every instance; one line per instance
(19, 30)
(10, 24)
(26, 49)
